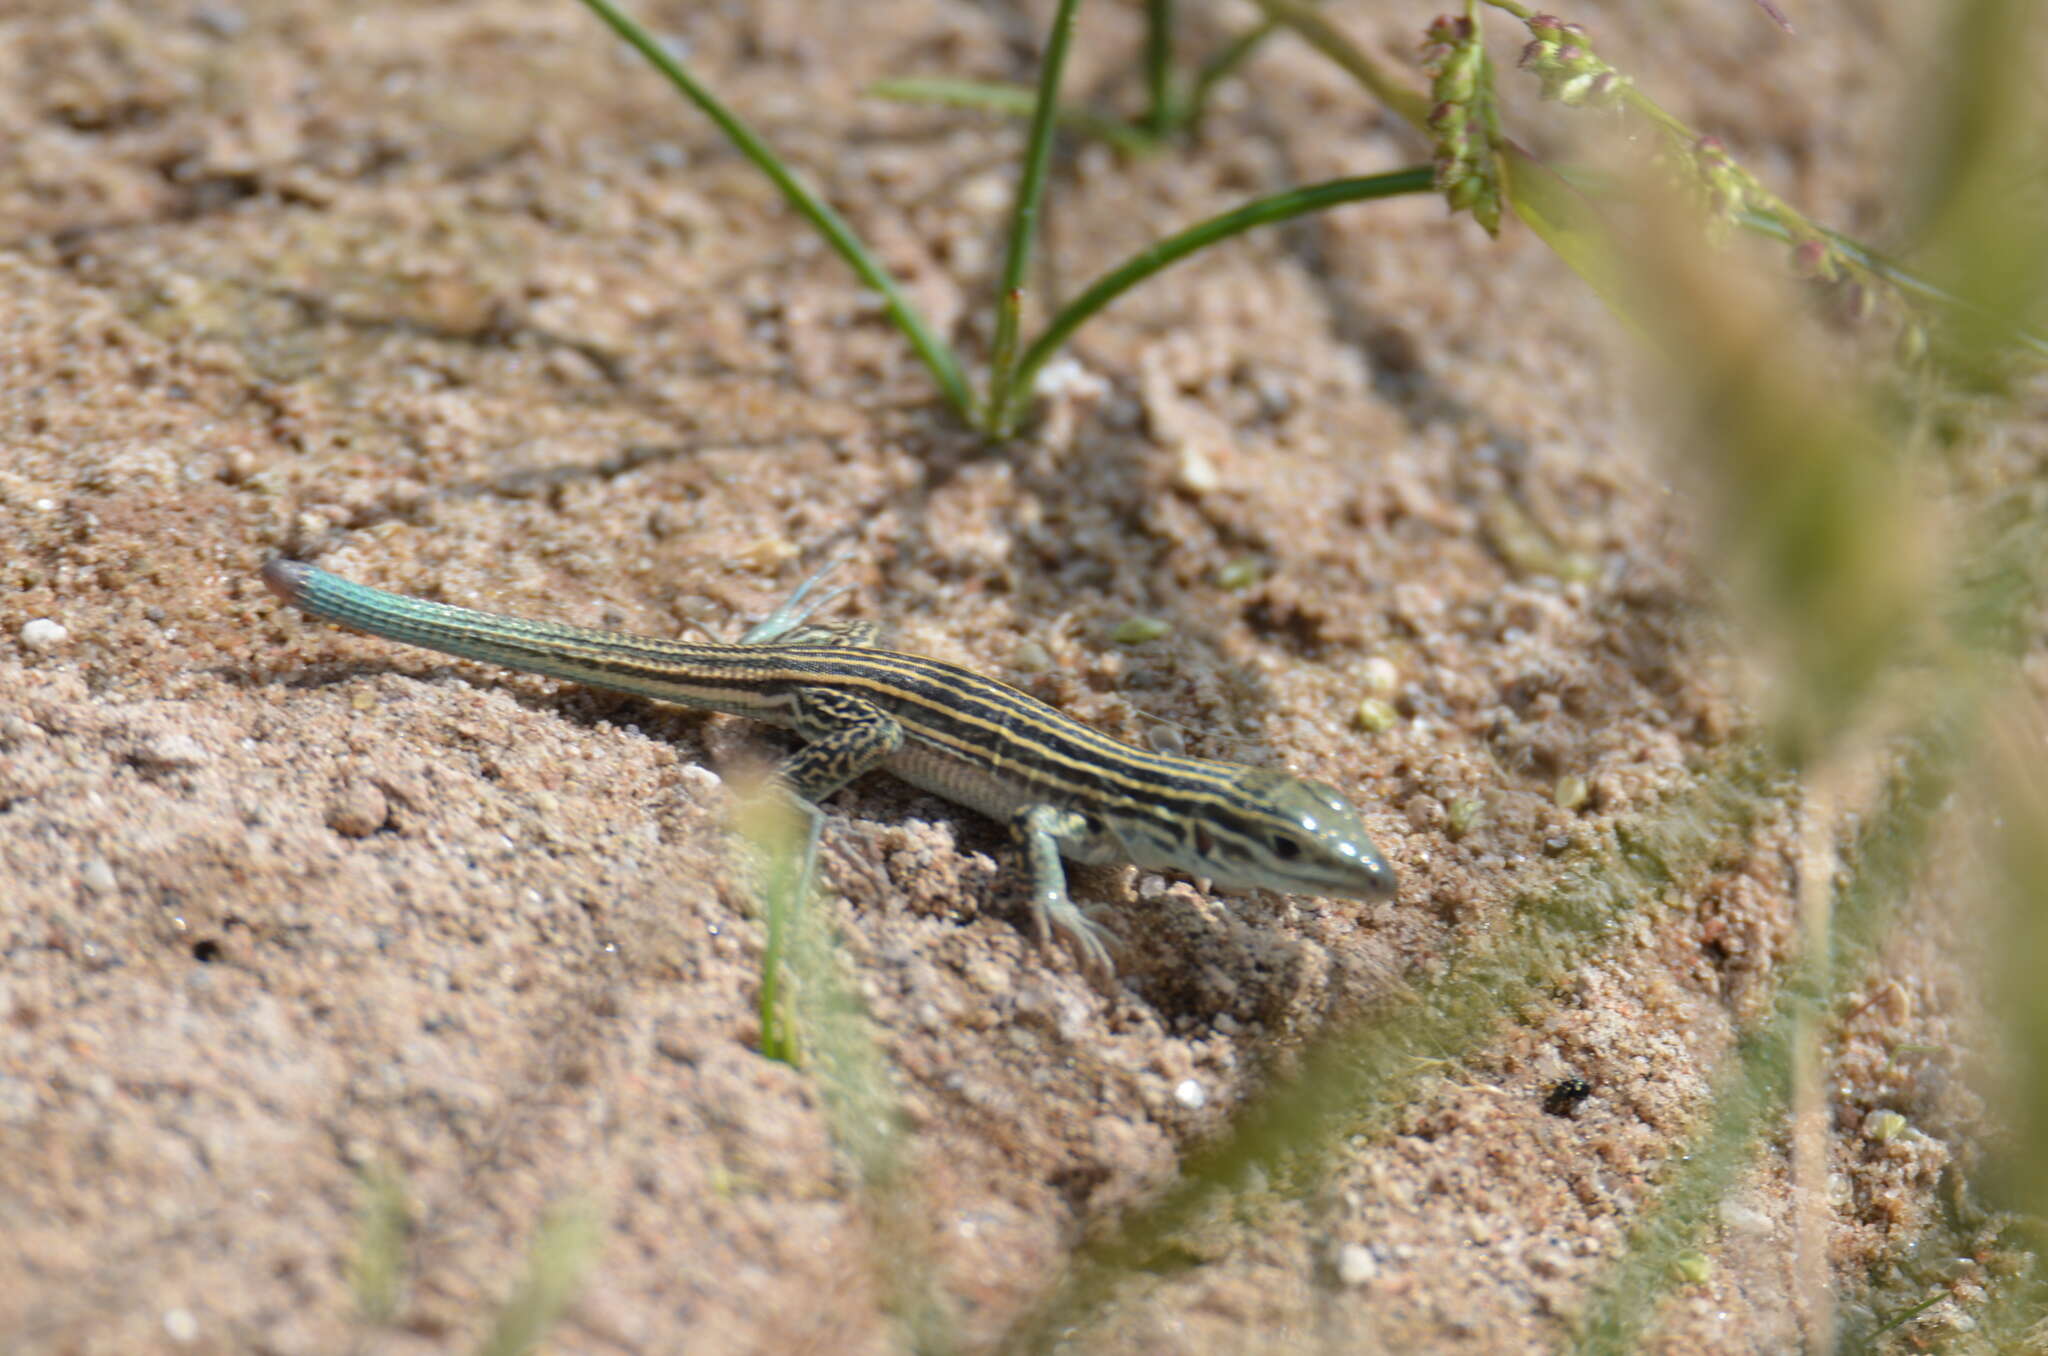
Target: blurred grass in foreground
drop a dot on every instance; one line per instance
(812, 1019)
(563, 1248)
(1883, 565)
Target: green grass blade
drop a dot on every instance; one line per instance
(1155, 257)
(1024, 224)
(1160, 115)
(936, 354)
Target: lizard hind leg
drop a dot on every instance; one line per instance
(790, 623)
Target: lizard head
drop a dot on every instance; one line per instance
(1281, 833)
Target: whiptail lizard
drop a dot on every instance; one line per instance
(1065, 789)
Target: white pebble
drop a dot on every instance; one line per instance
(1190, 1093)
(1196, 471)
(1745, 1219)
(1379, 677)
(1356, 1265)
(180, 1326)
(985, 194)
(1064, 376)
(43, 634)
(1030, 657)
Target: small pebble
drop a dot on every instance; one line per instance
(699, 780)
(1693, 1268)
(1138, 630)
(97, 876)
(43, 634)
(1356, 1265)
(1745, 1219)
(766, 553)
(1572, 791)
(1030, 657)
(1378, 676)
(1064, 376)
(1375, 716)
(1190, 1094)
(985, 194)
(1425, 813)
(1241, 573)
(358, 811)
(1883, 1126)
(1195, 473)
(171, 750)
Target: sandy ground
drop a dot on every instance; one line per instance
(456, 299)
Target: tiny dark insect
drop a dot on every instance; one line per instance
(1566, 1094)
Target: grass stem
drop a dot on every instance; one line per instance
(1159, 255)
(1024, 224)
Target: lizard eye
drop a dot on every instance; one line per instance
(1285, 848)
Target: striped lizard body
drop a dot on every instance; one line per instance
(1066, 790)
